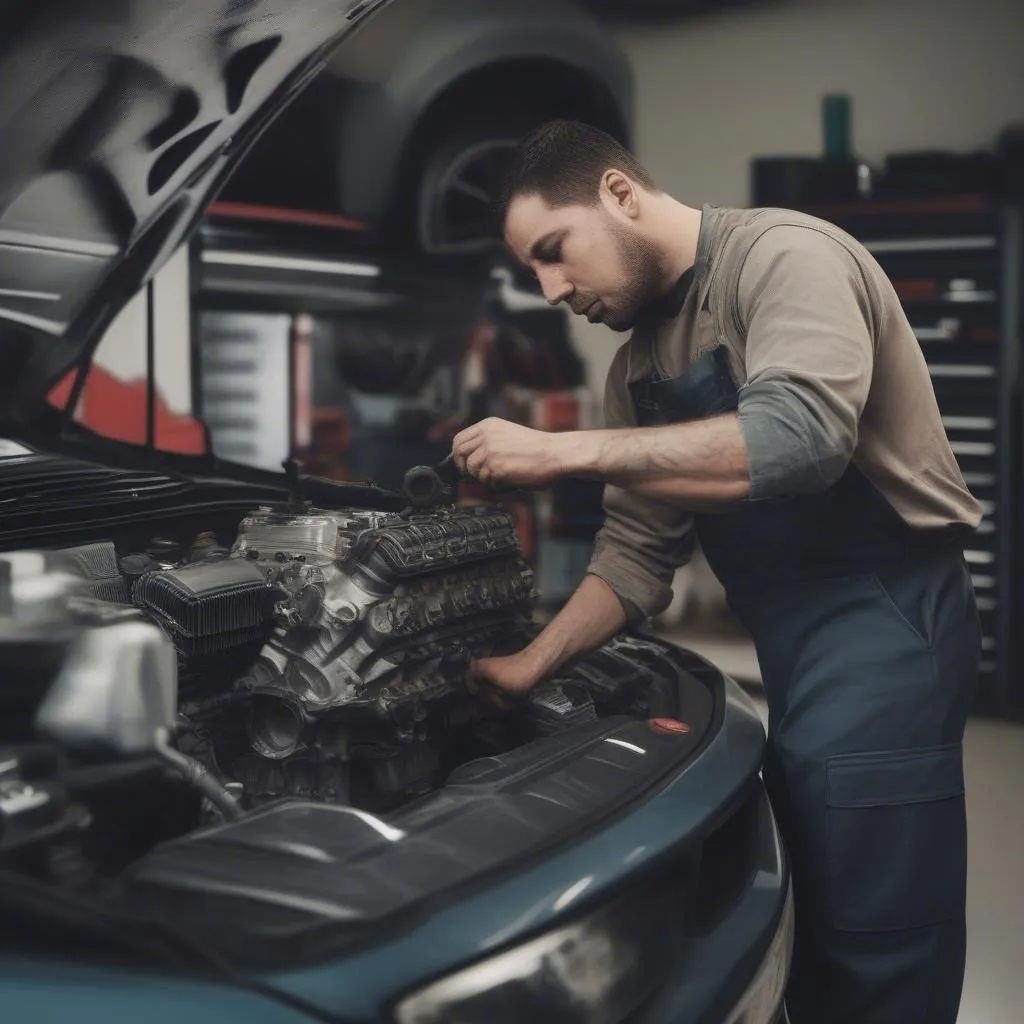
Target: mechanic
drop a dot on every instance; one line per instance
(773, 403)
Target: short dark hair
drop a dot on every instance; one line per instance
(563, 162)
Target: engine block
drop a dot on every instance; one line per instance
(374, 613)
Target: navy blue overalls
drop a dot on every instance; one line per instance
(868, 639)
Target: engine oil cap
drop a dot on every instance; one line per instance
(667, 726)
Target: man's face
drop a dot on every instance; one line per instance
(590, 257)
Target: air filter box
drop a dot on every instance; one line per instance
(208, 608)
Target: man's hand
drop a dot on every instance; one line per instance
(589, 618)
(514, 674)
(498, 452)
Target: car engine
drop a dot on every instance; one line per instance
(350, 633)
(324, 654)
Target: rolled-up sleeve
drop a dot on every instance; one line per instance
(642, 541)
(810, 335)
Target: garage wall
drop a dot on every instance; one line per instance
(714, 91)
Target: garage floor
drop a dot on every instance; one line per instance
(994, 989)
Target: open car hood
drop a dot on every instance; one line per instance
(119, 121)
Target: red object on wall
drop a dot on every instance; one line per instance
(558, 412)
(60, 394)
(283, 215)
(116, 409)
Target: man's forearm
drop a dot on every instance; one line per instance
(698, 463)
(590, 617)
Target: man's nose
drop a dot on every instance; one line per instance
(554, 286)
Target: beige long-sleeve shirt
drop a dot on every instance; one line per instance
(828, 371)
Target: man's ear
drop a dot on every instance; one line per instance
(620, 192)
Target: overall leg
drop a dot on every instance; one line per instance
(870, 681)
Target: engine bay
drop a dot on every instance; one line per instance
(343, 639)
(321, 655)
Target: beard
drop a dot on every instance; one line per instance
(641, 276)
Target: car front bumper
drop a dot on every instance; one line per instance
(642, 958)
(705, 960)
(675, 843)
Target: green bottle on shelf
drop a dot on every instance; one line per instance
(837, 121)
(836, 118)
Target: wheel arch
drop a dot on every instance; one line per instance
(539, 86)
(561, 60)
(531, 90)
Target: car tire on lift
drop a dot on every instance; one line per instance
(458, 182)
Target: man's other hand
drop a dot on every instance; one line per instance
(513, 674)
(500, 453)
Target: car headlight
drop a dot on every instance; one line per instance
(595, 971)
(762, 1000)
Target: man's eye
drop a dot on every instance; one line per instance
(552, 255)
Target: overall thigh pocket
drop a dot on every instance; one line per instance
(896, 839)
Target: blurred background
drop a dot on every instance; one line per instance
(346, 301)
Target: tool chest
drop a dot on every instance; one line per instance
(956, 266)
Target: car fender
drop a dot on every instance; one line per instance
(406, 58)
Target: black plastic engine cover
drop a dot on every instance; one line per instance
(296, 881)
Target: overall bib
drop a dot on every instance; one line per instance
(868, 640)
